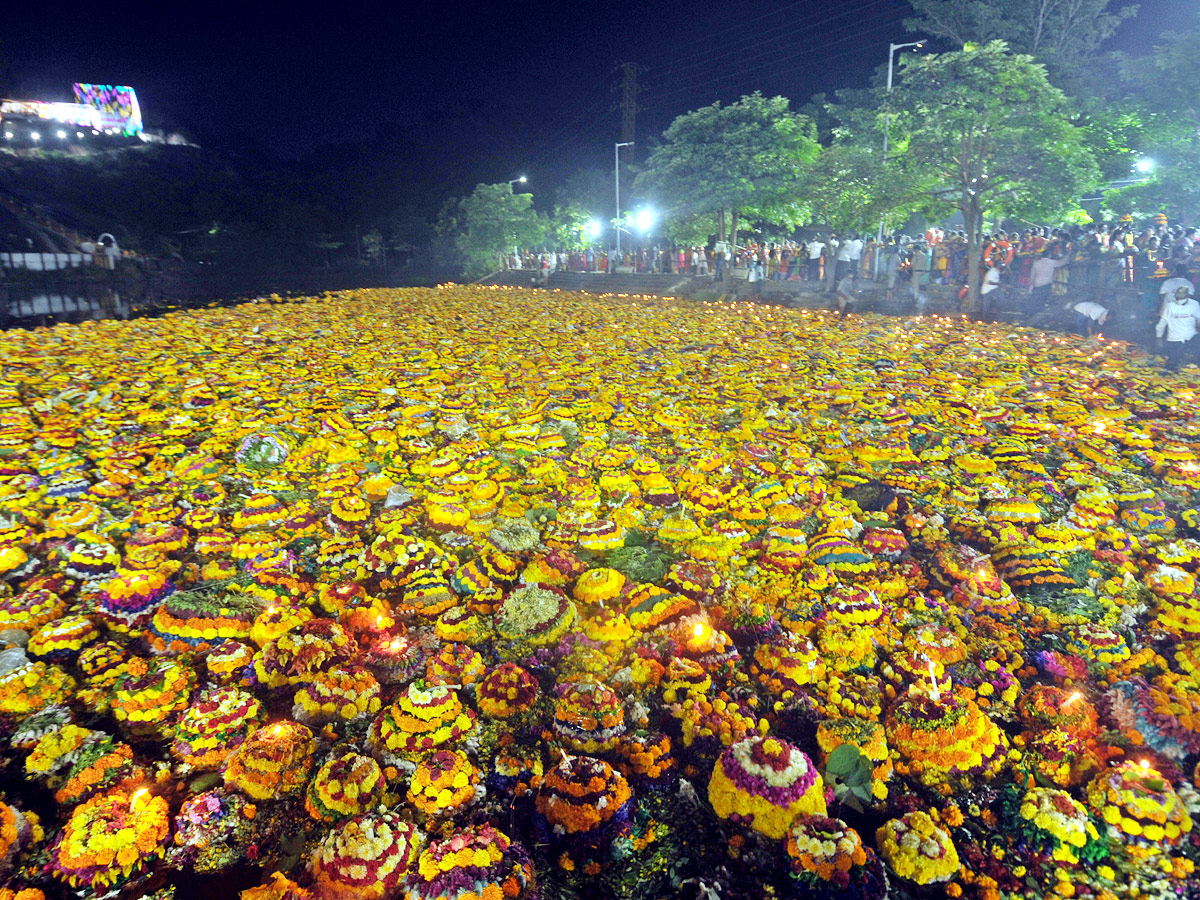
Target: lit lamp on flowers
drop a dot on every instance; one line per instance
(941, 737)
(111, 840)
(274, 762)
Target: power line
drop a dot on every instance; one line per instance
(770, 34)
(775, 57)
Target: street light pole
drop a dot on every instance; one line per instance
(887, 120)
(617, 182)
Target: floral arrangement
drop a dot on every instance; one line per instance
(478, 863)
(101, 764)
(30, 609)
(765, 783)
(340, 693)
(128, 599)
(216, 723)
(188, 622)
(110, 839)
(296, 656)
(148, 701)
(825, 852)
(583, 794)
(444, 783)
(1062, 819)
(422, 720)
(533, 616)
(212, 831)
(275, 761)
(343, 787)
(365, 857)
(598, 586)
(588, 716)
(229, 662)
(918, 847)
(61, 639)
(942, 737)
(33, 686)
(462, 625)
(455, 664)
(506, 691)
(57, 751)
(1139, 807)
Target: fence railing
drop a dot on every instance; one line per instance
(45, 262)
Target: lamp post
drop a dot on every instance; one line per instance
(617, 181)
(520, 180)
(887, 121)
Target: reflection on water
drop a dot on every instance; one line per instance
(45, 308)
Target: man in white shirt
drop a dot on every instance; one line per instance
(1178, 324)
(845, 256)
(987, 290)
(815, 247)
(1089, 316)
(1041, 279)
(1170, 285)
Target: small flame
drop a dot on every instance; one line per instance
(136, 796)
(1145, 764)
(698, 631)
(1075, 696)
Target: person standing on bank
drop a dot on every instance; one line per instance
(1178, 324)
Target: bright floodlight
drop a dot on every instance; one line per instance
(35, 136)
(644, 219)
(1145, 166)
(593, 228)
(522, 179)
(61, 134)
(8, 135)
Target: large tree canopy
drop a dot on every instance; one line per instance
(746, 158)
(490, 221)
(1061, 33)
(994, 132)
(1163, 87)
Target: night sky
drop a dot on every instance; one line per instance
(468, 91)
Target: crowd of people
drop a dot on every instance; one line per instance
(1153, 272)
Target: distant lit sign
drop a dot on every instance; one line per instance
(76, 114)
(116, 105)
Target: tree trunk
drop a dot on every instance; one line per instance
(733, 234)
(972, 215)
(721, 224)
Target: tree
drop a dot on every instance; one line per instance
(990, 127)
(1061, 33)
(1163, 88)
(745, 159)
(489, 223)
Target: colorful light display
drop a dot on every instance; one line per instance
(116, 104)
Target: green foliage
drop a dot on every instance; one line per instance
(641, 564)
(568, 227)
(1063, 34)
(992, 134)
(489, 223)
(747, 157)
(848, 187)
(1163, 87)
(851, 774)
